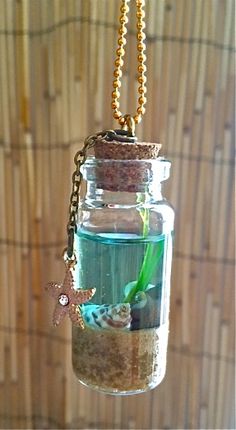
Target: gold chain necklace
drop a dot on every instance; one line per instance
(128, 120)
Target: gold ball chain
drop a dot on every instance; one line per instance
(127, 120)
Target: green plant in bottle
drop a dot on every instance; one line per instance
(152, 257)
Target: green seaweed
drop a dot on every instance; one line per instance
(144, 213)
(152, 257)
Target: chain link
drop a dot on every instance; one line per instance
(125, 120)
(77, 177)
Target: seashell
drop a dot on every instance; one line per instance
(108, 316)
(145, 310)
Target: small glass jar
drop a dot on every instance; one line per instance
(123, 247)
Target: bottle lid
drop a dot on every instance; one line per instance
(126, 150)
(124, 172)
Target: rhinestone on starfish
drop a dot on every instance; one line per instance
(68, 299)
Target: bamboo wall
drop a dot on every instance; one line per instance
(55, 84)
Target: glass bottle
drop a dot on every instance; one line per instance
(123, 247)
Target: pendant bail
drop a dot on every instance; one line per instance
(129, 124)
(68, 254)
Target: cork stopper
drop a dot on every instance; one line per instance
(124, 171)
(126, 150)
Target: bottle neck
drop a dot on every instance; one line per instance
(123, 198)
(124, 181)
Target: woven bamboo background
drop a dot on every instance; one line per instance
(55, 84)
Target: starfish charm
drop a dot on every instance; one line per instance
(68, 299)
